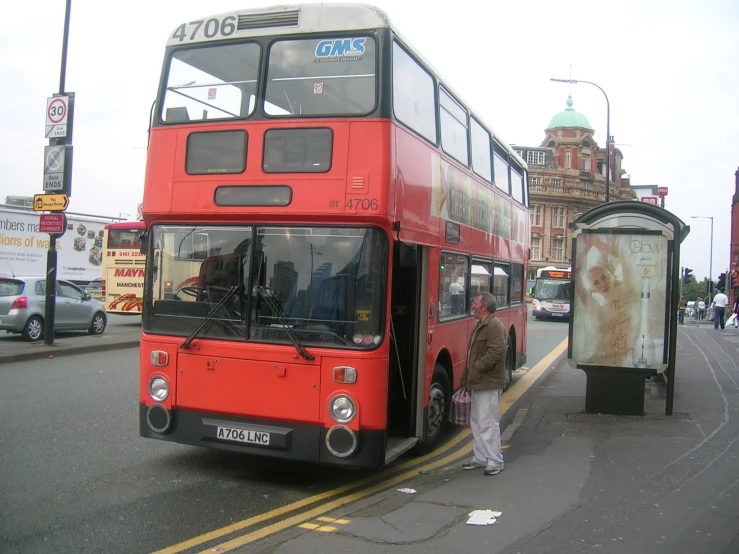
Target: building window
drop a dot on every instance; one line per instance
(535, 158)
(567, 160)
(557, 249)
(520, 154)
(585, 162)
(556, 181)
(586, 144)
(558, 217)
(535, 180)
(536, 248)
(550, 144)
(535, 213)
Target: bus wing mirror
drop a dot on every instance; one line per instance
(143, 242)
(408, 255)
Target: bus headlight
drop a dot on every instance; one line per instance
(158, 388)
(342, 409)
(536, 305)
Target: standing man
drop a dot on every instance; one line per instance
(456, 290)
(720, 301)
(485, 376)
(701, 309)
(681, 310)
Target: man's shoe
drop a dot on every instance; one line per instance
(472, 465)
(492, 470)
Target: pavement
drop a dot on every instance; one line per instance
(14, 349)
(573, 482)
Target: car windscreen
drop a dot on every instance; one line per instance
(11, 287)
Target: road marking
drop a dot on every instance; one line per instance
(240, 525)
(532, 375)
(315, 512)
(324, 528)
(509, 398)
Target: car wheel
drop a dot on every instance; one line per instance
(99, 321)
(437, 413)
(34, 329)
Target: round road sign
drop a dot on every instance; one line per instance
(56, 111)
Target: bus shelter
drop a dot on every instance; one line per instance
(623, 323)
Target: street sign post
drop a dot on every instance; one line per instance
(50, 202)
(54, 224)
(653, 200)
(662, 191)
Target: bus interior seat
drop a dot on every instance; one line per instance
(175, 115)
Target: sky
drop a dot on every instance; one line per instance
(669, 68)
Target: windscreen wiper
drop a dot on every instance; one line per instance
(211, 314)
(272, 305)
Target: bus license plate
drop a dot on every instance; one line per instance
(558, 315)
(242, 435)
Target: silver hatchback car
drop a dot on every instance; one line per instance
(23, 303)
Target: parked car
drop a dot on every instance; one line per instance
(23, 303)
(95, 288)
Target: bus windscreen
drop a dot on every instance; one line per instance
(124, 238)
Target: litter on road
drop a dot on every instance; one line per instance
(483, 517)
(407, 491)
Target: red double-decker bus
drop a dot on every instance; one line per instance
(321, 209)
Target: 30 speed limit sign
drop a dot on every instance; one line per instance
(57, 110)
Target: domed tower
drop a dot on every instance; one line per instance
(566, 178)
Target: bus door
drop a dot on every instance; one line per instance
(405, 310)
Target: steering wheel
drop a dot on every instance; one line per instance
(189, 291)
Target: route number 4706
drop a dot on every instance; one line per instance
(211, 28)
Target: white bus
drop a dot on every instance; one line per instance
(552, 293)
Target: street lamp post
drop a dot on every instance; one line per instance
(710, 259)
(608, 130)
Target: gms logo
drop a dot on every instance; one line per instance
(340, 49)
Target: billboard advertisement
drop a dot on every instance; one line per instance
(23, 246)
(620, 299)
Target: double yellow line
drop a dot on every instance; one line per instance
(382, 480)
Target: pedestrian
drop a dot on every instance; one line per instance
(701, 309)
(484, 376)
(735, 312)
(720, 301)
(681, 309)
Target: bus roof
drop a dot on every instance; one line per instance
(307, 18)
(126, 225)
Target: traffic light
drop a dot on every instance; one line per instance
(732, 279)
(721, 282)
(688, 276)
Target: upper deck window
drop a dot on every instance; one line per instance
(453, 127)
(332, 76)
(214, 82)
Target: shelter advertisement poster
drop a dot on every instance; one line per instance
(620, 299)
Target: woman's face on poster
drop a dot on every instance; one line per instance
(601, 280)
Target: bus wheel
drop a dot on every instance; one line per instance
(437, 413)
(509, 366)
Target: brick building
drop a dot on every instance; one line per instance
(566, 178)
